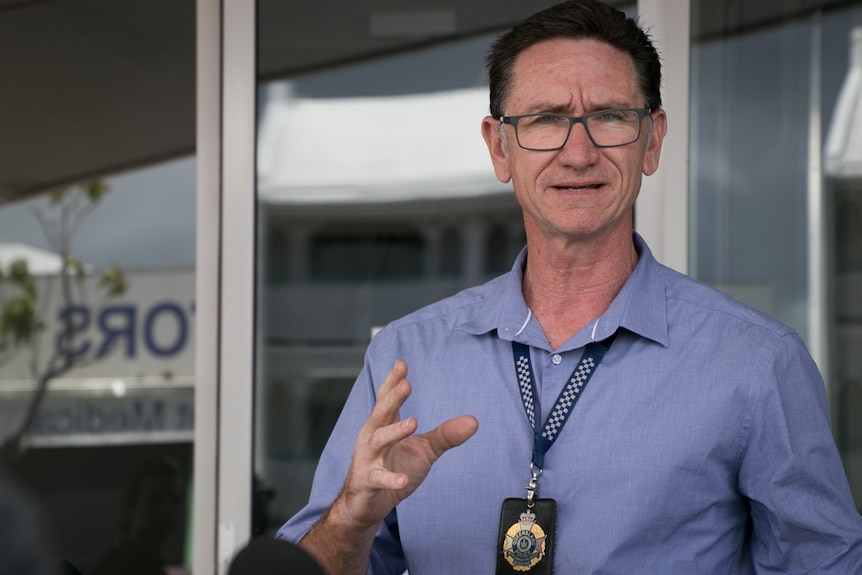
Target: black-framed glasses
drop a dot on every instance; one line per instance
(605, 128)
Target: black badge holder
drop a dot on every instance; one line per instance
(524, 546)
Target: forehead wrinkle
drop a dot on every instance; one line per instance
(576, 81)
(568, 110)
(547, 108)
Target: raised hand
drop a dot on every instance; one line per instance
(389, 462)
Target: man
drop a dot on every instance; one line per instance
(702, 442)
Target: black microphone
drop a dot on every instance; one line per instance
(267, 556)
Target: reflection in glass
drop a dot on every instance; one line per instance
(376, 197)
(127, 396)
(755, 85)
(843, 170)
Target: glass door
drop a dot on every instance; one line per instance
(775, 180)
(375, 195)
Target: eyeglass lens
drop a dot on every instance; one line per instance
(605, 128)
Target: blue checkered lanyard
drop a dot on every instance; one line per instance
(593, 354)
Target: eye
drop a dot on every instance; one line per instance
(547, 119)
(609, 116)
(539, 120)
(613, 116)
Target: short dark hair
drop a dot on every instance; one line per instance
(576, 19)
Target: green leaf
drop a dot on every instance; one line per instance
(96, 190)
(76, 266)
(19, 275)
(19, 271)
(113, 281)
(18, 319)
(58, 195)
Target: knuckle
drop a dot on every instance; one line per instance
(377, 440)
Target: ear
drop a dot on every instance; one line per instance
(497, 148)
(653, 146)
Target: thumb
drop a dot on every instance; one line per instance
(451, 433)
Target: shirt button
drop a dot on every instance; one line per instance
(556, 359)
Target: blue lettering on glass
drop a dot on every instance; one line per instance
(182, 329)
(127, 316)
(117, 417)
(148, 419)
(74, 320)
(78, 335)
(186, 416)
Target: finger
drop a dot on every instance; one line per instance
(392, 394)
(382, 478)
(396, 374)
(451, 433)
(385, 437)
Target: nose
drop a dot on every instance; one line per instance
(579, 149)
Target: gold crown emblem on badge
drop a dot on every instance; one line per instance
(527, 520)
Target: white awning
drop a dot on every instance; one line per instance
(375, 149)
(39, 261)
(842, 156)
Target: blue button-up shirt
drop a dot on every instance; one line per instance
(702, 443)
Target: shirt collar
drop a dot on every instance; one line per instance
(639, 307)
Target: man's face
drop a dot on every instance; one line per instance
(579, 191)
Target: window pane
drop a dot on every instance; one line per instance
(378, 196)
(108, 456)
(760, 81)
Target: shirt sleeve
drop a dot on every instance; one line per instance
(387, 556)
(803, 516)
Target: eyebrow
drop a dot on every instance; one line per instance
(546, 108)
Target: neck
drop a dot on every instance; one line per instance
(567, 286)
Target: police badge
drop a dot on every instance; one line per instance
(526, 537)
(525, 543)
